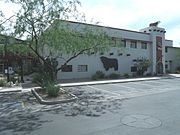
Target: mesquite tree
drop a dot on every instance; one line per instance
(40, 22)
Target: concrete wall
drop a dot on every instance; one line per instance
(172, 59)
(94, 63)
(128, 54)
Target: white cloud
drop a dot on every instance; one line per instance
(128, 14)
(136, 14)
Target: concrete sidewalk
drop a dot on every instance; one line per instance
(26, 89)
(116, 81)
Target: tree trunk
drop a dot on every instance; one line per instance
(22, 71)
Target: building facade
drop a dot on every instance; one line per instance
(149, 43)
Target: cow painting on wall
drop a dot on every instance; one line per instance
(109, 63)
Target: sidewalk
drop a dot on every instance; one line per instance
(31, 86)
(120, 80)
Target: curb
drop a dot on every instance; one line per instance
(9, 91)
(112, 81)
(45, 102)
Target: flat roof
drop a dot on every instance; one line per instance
(108, 27)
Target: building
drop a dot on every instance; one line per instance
(11, 59)
(149, 43)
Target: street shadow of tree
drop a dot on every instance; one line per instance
(21, 123)
(16, 119)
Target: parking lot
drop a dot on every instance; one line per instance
(142, 107)
(135, 89)
(151, 108)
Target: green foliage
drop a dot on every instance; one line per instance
(142, 65)
(42, 79)
(40, 21)
(2, 83)
(98, 75)
(114, 76)
(82, 39)
(52, 90)
(1, 21)
(14, 78)
(178, 69)
(126, 75)
(177, 72)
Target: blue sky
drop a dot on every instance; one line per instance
(129, 14)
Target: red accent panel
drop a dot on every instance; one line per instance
(158, 49)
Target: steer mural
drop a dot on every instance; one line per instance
(109, 63)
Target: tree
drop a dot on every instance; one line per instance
(14, 50)
(39, 21)
(142, 65)
(1, 26)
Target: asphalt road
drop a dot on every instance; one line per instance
(149, 108)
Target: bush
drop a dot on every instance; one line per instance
(114, 76)
(148, 74)
(2, 83)
(126, 75)
(178, 69)
(14, 78)
(177, 72)
(52, 90)
(98, 75)
(168, 71)
(42, 79)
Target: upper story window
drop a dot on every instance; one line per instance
(166, 49)
(143, 45)
(133, 44)
(113, 41)
(123, 42)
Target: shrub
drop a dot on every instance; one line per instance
(14, 78)
(168, 71)
(148, 74)
(178, 69)
(114, 76)
(9, 84)
(177, 72)
(126, 75)
(98, 75)
(2, 83)
(52, 90)
(42, 79)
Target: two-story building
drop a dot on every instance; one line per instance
(149, 43)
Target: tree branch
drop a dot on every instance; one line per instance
(74, 56)
(7, 19)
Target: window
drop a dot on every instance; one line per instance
(120, 54)
(128, 54)
(82, 68)
(113, 41)
(143, 45)
(67, 68)
(166, 49)
(123, 43)
(166, 66)
(133, 44)
(133, 69)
